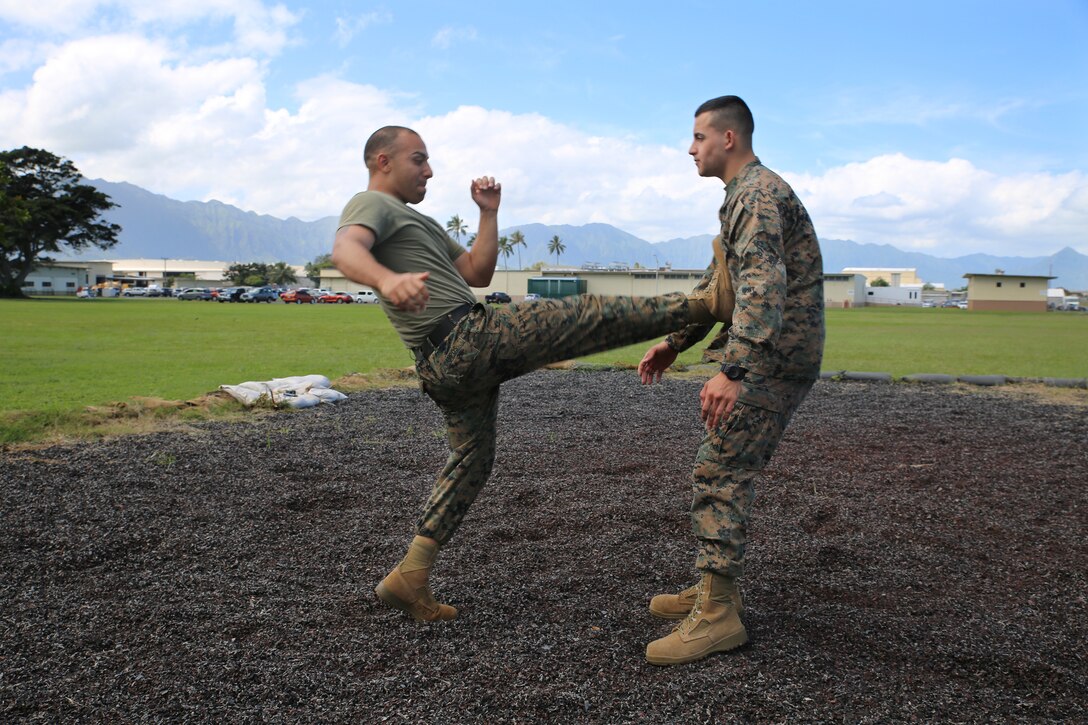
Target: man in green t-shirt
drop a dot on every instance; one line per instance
(464, 349)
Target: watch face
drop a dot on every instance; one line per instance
(735, 372)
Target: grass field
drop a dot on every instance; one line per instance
(60, 355)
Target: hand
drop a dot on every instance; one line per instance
(487, 193)
(406, 291)
(654, 363)
(718, 397)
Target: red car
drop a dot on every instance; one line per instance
(298, 296)
(341, 298)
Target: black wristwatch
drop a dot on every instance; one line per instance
(734, 372)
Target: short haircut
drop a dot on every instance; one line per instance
(729, 112)
(382, 142)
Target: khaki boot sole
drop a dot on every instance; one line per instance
(723, 645)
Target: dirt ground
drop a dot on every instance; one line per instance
(917, 554)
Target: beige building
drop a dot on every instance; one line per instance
(1011, 292)
(894, 276)
(844, 290)
(519, 282)
(839, 289)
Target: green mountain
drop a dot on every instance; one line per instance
(157, 226)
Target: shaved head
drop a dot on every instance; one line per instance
(729, 113)
(383, 141)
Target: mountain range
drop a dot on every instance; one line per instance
(156, 226)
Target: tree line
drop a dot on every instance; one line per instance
(456, 228)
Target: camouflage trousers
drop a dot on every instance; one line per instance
(727, 464)
(491, 345)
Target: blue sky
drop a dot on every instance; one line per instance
(945, 127)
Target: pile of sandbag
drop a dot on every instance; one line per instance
(301, 391)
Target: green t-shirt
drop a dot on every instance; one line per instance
(407, 241)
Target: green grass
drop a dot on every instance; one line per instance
(902, 341)
(60, 355)
(65, 353)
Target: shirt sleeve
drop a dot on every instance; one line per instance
(453, 247)
(688, 336)
(760, 284)
(368, 211)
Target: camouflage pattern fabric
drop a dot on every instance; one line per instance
(776, 269)
(493, 344)
(727, 464)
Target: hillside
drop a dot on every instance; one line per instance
(157, 226)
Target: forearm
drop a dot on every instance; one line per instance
(484, 254)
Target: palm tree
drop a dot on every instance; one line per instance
(456, 226)
(281, 273)
(471, 241)
(506, 249)
(556, 247)
(517, 240)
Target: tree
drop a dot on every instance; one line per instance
(281, 273)
(556, 247)
(456, 227)
(880, 282)
(517, 241)
(252, 273)
(471, 241)
(43, 208)
(505, 249)
(322, 261)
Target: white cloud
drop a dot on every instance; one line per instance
(109, 92)
(257, 27)
(348, 28)
(59, 16)
(447, 36)
(947, 208)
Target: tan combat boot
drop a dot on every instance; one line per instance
(712, 626)
(677, 606)
(406, 587)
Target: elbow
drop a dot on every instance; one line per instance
(337, 256)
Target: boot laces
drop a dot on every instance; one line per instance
(689, 622)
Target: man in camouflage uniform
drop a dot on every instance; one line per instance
(465, 350)
(770, 359)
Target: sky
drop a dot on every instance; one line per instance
(947, 127)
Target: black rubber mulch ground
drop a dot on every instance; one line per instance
(917, 554)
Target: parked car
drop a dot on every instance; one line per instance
(366, 297)
(231, 294)
(298, 296)
(196, 293)
(532, 296)
(499, 297)
(962, 304)
(336, 298)
(950, 303)
(318, 292)
(261, 294)
(134, 292)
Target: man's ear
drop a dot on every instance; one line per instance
(381, 163)
(729, 139)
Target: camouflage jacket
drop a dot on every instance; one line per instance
(776, 269)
